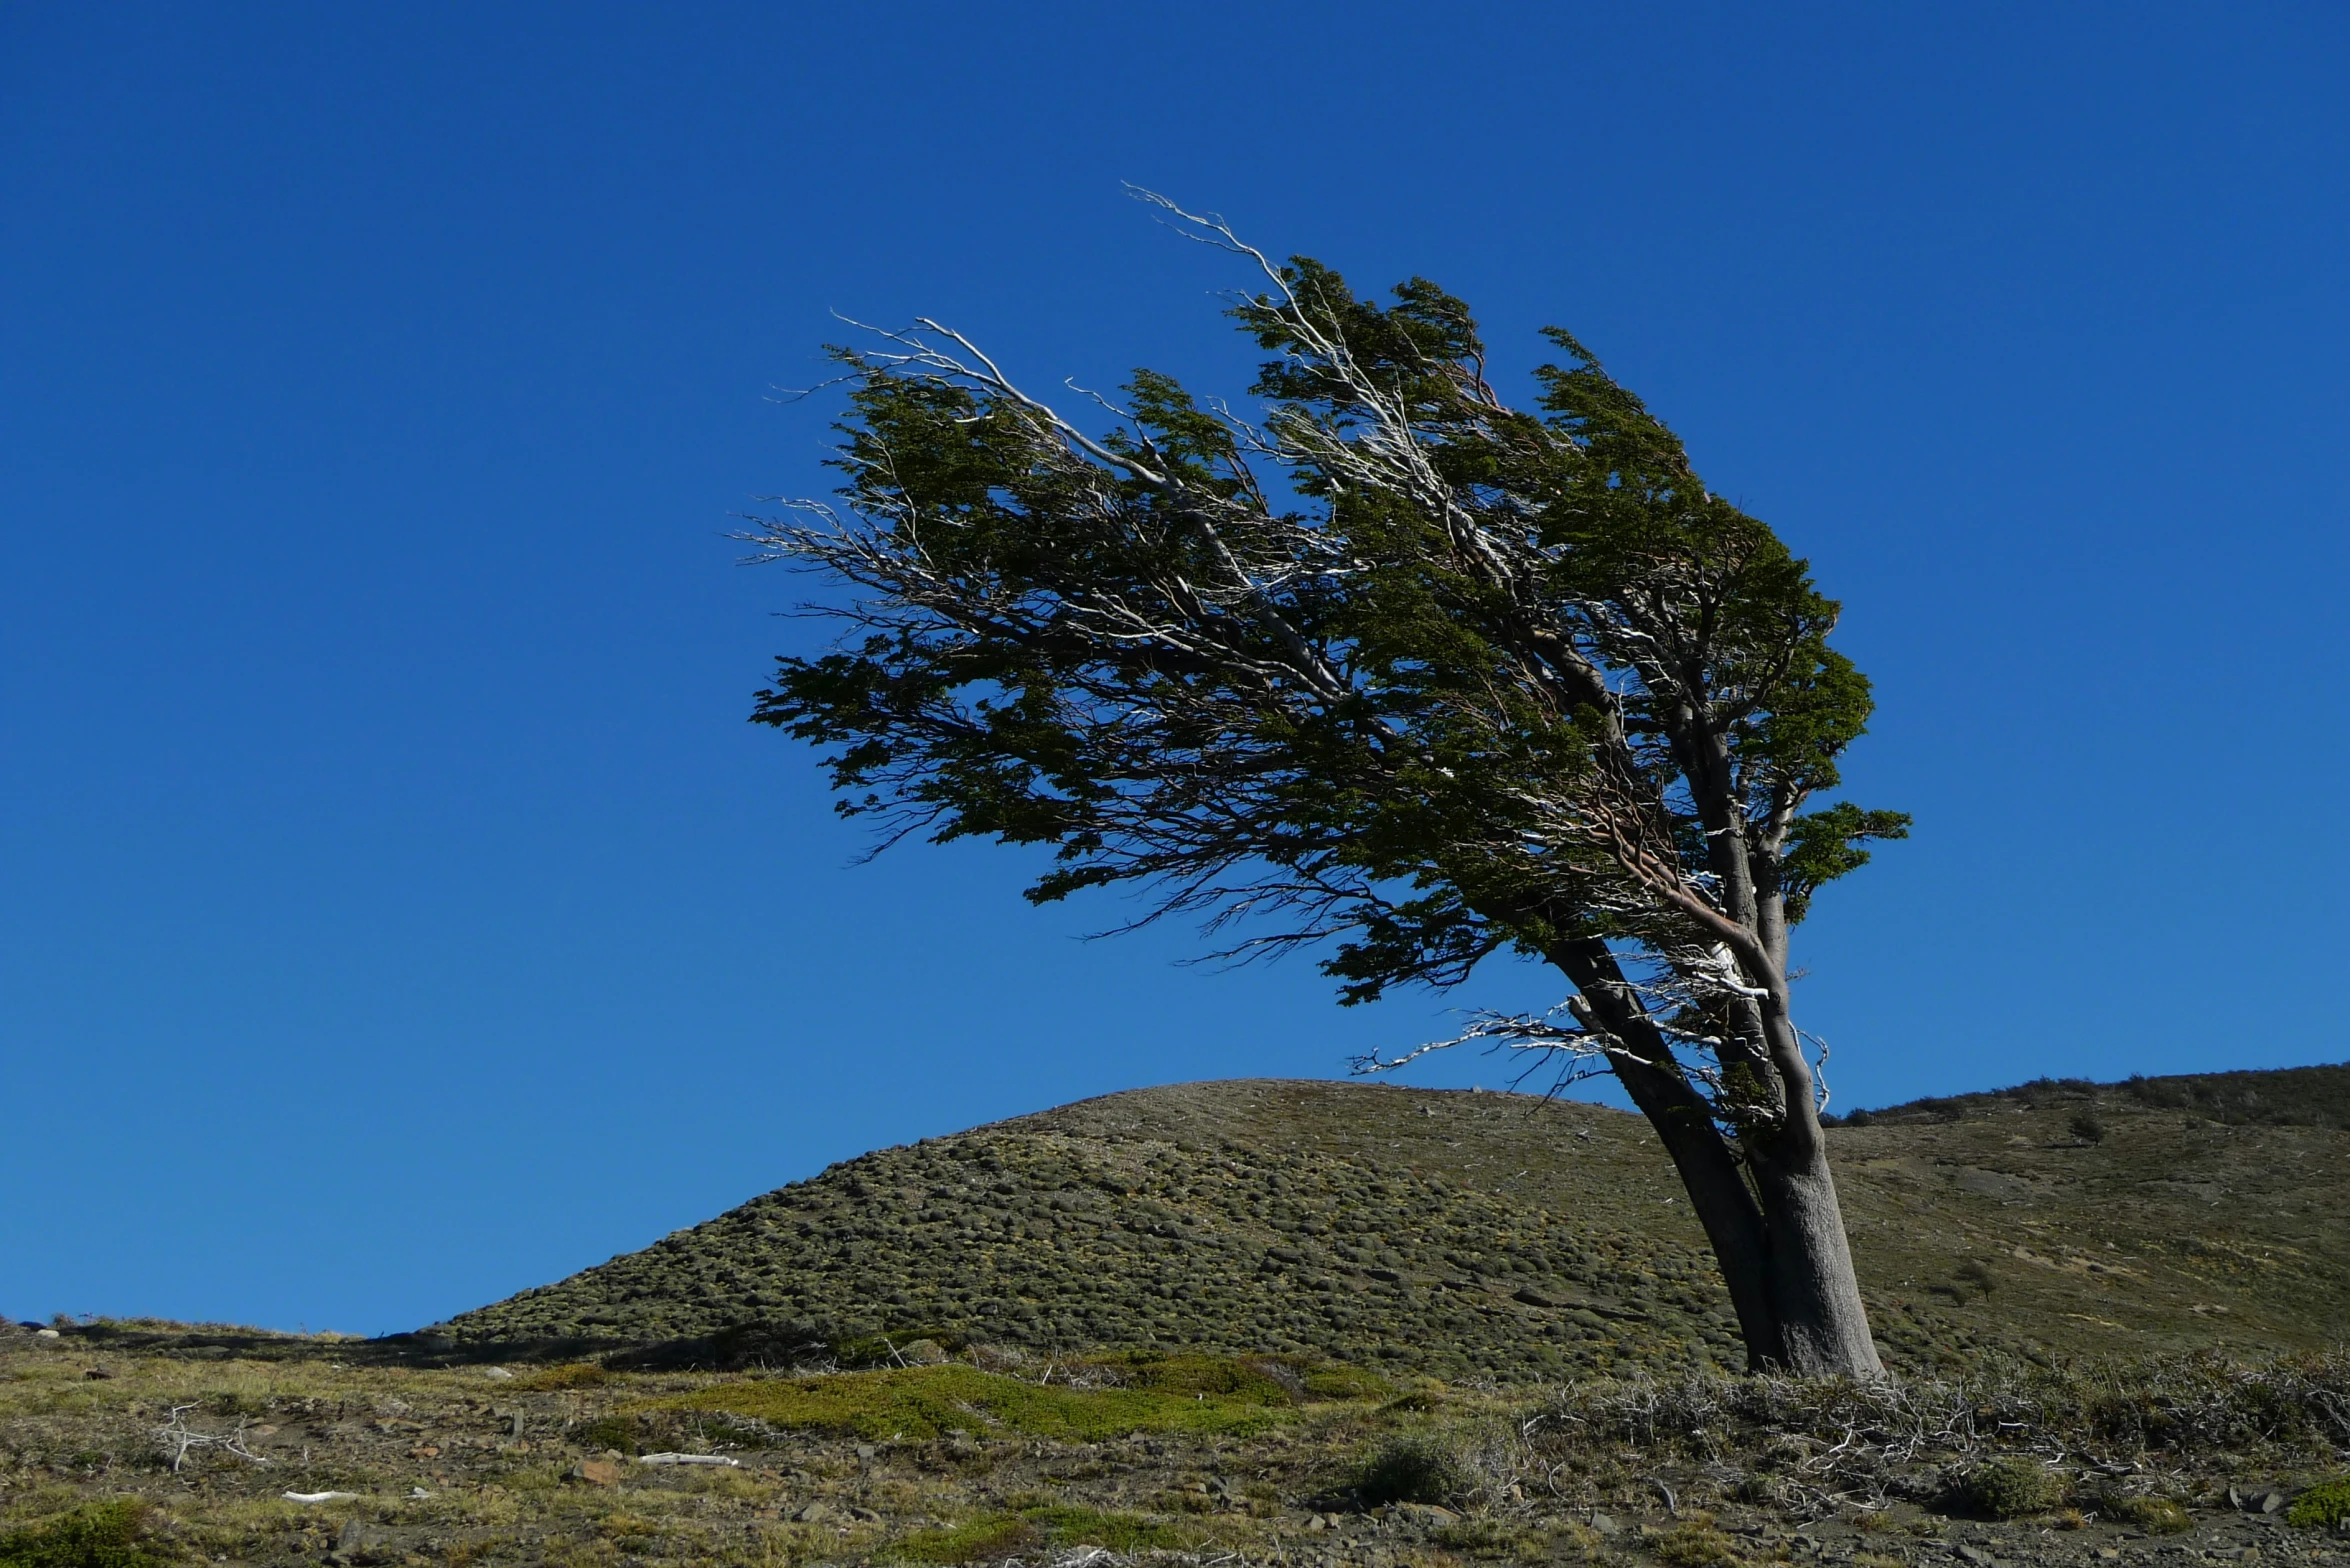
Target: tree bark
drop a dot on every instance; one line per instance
(1733, 1220)
(1778, 1239)
(1823, 1325)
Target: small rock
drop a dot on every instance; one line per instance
(814, 1513)
(1605, 1524)
(45, 1333)
(595, 1472)
(2272, 1502)
(1314, 1524)
(922, 1353)
(1424, 1513)
(866, 1450)
(358, 1545)
(1975, 1555)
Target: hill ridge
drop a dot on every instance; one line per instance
(1498, 1236)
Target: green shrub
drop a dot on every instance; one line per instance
(2009, 1486)
(2321, 1507)
(103, 1535)
(1415, 1468)
(614, 1432)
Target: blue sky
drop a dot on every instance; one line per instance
(396, 909)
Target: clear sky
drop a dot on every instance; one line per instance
(396, 909)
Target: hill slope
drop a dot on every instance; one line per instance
(1503, 1236)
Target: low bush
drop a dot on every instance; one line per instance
(1417, 1467)
(2321, 1507)
(2009, 1486)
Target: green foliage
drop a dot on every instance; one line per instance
(1416, 1467)
(101, 1535)
(2010, 1485)
(2323, 1506)
(925, 1402)
(616, 1431)
(1354, 709)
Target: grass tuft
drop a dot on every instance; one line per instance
(572, 1374)
(993, 1537)
(919, 1403)
(2154, 1515)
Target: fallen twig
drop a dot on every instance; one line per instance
(180, 1438)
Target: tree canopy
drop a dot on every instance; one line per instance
(1392, 669)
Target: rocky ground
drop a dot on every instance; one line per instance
(196, 1439)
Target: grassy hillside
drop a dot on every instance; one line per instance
(1502, 1236)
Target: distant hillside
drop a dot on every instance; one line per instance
(1503, 1236)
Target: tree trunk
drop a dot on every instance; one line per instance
(1684, 1123)
(1778, 1239)
(1822, 1322)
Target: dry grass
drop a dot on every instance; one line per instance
(1176, 1458)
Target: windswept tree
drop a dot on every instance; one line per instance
(1394, 670)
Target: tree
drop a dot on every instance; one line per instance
(1396, 670)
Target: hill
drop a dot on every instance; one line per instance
(1500, 1236)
